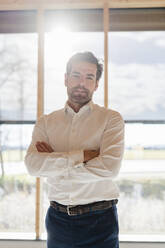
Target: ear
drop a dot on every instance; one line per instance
(66, 79)
(97, 84)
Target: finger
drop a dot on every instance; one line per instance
(96, 153)
(49, 148)
(46, 147)
(42, 147)
(39, 149)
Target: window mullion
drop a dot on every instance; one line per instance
(106, 28)
(40, 111)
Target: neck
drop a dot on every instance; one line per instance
(76, 106)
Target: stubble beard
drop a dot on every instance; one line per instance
(80, 98)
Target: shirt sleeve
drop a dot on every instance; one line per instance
(49, 164)
(107, 165)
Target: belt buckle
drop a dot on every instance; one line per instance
(68, 211)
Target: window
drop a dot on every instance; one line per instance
(137, 91)
(17, 115)
(17, 189)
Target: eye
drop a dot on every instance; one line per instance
(75, 76)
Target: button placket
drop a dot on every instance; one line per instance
(73, 137)
(72, 146)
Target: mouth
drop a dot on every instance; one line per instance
(80, 91)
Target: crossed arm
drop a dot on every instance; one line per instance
(88, 154)
(42, 160)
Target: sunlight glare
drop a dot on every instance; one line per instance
(59, 45)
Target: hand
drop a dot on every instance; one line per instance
(90, 154)
(43, 147)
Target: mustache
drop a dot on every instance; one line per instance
(80, 88)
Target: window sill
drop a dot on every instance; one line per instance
(150, 238)
(123, 237)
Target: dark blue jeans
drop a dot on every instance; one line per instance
(96, 229)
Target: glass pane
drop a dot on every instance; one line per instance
(18, 77)
(142, 181)
(137, 74)
(18, 86)
(57, 53)
(137, 90)
(17, 189)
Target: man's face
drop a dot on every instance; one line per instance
(81, 82)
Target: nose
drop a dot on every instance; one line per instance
(82, 80)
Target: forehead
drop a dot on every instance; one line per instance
(84, 68)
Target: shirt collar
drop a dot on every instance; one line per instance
(86, 107)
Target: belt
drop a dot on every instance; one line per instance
(81, 209)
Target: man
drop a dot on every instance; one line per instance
(79, 149)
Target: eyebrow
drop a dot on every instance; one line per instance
(78, 73)
(90, 75)
(75, 72)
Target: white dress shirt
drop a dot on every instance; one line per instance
(72, 182)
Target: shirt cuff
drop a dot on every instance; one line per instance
(76, 157)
